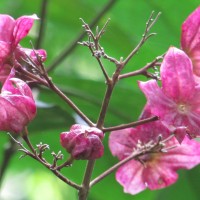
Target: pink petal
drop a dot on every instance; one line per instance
(5, 50)
(176, 75)
(4, 72)
(180, 133)
(195, 57)
(6, 28)
(121, 142)
(190, 37)
(159, 176)
(184, 156)
(22, 27)
(160, 104)
(130, 177)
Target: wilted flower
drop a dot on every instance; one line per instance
(153, 170)
(190, 40)
(83, 142)
(17, 106)
(11, 33)
(177, 103)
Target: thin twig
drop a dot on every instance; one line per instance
(65, 164)
(132, 124)
(43, 13)
(101, 65)
(34, 155)
(143, 71)
(145, 36)
(69, 49)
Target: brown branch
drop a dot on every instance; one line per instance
(143, 71)
(132, 124)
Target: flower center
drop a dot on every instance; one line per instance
(150, 158)
(183, 109)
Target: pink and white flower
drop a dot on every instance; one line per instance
(154, 170)
(177, 102)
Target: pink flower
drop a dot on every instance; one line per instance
(190, 40)
(11, 33)
(17, 106)
(83, 142)
(177, 103)
(155, 170)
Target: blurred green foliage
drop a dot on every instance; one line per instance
(79, 76)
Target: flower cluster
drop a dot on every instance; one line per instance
(18, 107)
(177, 104)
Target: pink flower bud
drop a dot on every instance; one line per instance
(17, 106)
(83, 142)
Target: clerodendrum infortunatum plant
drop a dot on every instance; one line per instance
(150, 150)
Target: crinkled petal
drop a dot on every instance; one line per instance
(121, 142)
(176, 75)
(184, 156)
(6, 28)
(22, 27)
(130, 177)
(15, 113)
(83, 142)
(159, 176)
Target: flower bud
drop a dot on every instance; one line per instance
(83, 142)
(17, 106)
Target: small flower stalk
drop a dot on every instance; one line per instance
(82, 142)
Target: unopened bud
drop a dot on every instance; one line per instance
(17, 105)
(83, 142)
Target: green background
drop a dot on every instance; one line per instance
(79, 76)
